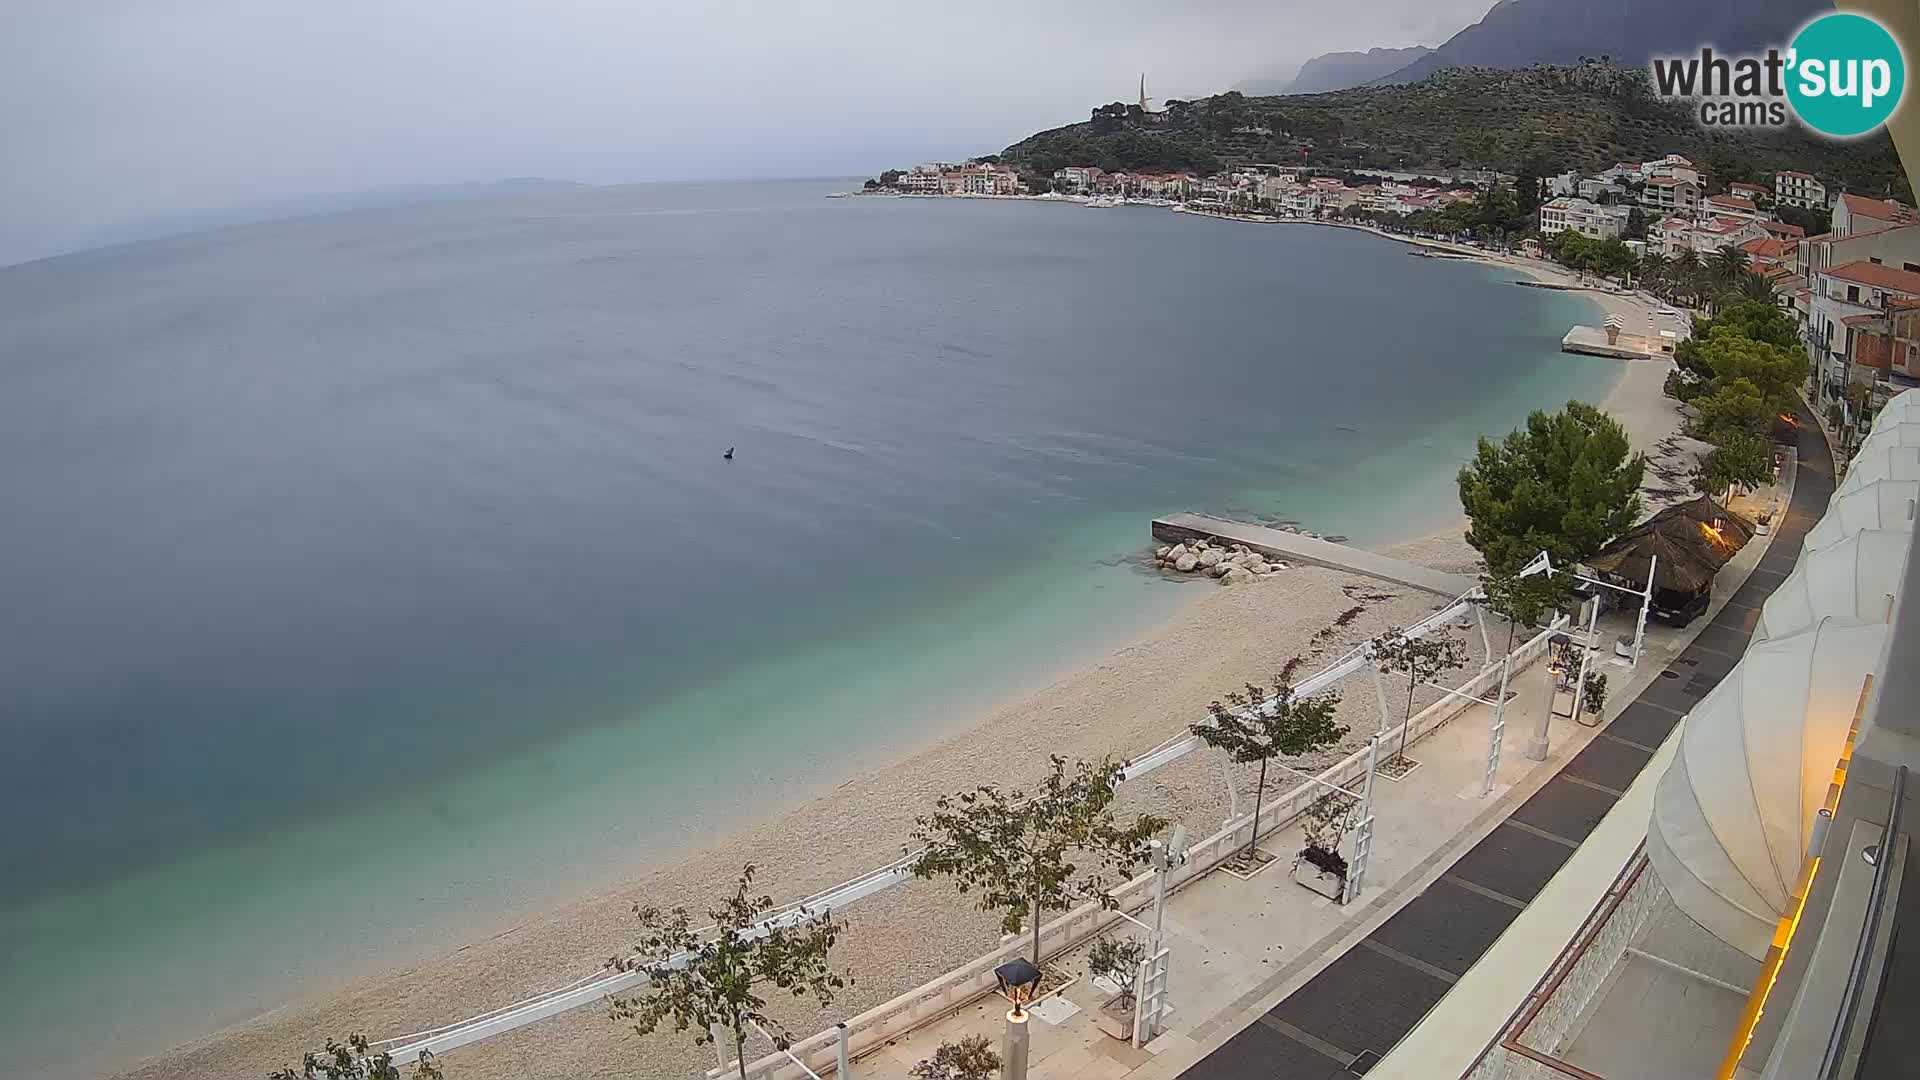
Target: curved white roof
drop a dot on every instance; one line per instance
(1854, 579)
(1882, 462)
(1881, 504)
(1734, 811)
(1901, 408)
(1904, 433)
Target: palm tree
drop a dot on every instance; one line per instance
(1724, 271)
(1729, 263)
(1653, 271)
(1683, 274)
(1757, 286)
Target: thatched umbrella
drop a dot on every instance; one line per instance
(1692, 540)
(1682, 566)
(1732, 527)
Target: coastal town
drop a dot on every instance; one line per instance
(1845, 265)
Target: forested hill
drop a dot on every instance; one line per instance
(1541, 119)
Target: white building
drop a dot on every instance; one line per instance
(1856, 215)
(1671, 195)
(980, 180)
(1080, 178)
(1732, 206)
(1671, 167)
(1567, 183)
(1799, 189)
(1583, 217)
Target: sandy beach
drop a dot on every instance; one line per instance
(1121, 704)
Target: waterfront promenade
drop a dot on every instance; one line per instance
(1269, 979)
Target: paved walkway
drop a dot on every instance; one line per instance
(1279, 544)
(1354, 1011)
(1270, 980)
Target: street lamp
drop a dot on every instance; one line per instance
(1019, 983)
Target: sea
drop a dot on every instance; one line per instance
(367, 579)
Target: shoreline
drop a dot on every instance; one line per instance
(1119, 700)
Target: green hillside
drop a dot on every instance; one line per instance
(1544, 118)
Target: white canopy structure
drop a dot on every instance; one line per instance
(1882, 504)
(1904, 433)
(1881, 463)
(1901, 408)
(1733, 814)
(1854, 580)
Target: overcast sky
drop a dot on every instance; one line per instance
(116, 110)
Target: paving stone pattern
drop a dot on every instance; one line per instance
(1355, 1010)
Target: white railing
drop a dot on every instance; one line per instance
(943, 996)
(594, 987)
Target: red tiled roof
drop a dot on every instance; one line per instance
(1744, 187)
(1782, 229)
(1766, 247)
(1734, 201)
(1878, 209)
(1878, 276)
(1664, 181)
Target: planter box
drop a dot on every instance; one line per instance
(1117, 1024)
(1328, 885)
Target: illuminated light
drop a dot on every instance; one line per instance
(1789, 924)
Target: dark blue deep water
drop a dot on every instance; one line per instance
(404, 539)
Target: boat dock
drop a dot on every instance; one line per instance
(1293, 547)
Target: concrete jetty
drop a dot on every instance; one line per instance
(1292, 547)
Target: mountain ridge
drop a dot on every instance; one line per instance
(1518, 33)
(1337, 71)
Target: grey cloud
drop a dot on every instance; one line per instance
(114, 110)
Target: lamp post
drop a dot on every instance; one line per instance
(1019, 983)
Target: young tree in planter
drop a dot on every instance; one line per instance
(351, 1060)
(972, 1058)
(1521, 600)
(1117, 960)
(1258, 726)
(1323, 824)
(1017, 849)
(1420, 659)
(720, 981)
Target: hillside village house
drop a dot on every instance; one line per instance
(1671, 167)
(1594, 187)
(1671, 195)
(1583, 217)
(1886, 346)
(1675, 235)
(1753, 193)
(1857, 214)
(1848, 300)
(1768, 253)
(919, 183)
(1732, 206)
(1799, 189)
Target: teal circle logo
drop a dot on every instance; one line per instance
(1846, 75)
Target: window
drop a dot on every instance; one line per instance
(1875, 260)
(1853, 294)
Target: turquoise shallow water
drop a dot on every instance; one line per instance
(400, 541)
